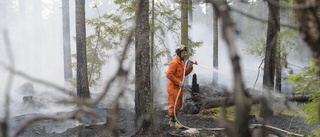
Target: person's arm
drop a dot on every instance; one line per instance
(190, 67)
(170, 74)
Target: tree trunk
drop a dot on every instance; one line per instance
(278, 64)
(215, 50)
(278, 71)
(143, 93)
(310, 29)
(66, 41)
(270, 56)
(184, 22)
(310, 32)
(185, 29)
(82, 74)
(190, 18)
(153, 26)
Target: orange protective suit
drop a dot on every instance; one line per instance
(174, 74)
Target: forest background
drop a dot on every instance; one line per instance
(35, 35)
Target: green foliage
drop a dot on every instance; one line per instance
(165, 21)
(110, 29)
(286, 40)
(258, 47)
(193, 45)
(127, 7)
(316, 133)
(108, 33)
(308, 81)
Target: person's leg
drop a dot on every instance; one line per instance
(170, 109)
(170, 103)
(179, 102)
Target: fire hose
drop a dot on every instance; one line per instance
(175, 103)
(217, 129)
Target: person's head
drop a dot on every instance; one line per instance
(182, 51)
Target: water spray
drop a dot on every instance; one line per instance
(209, 68)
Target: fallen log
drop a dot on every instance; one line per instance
(203, 98)
(224, 101)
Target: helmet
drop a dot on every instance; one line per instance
(181, 48)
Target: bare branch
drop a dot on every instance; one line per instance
(222, 10)
(8, 85)
(261, 20)
(258, 74)
(298, 6)
(40, 81)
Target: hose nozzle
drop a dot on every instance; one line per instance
(193, 62)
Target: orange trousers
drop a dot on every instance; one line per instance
(172, 95)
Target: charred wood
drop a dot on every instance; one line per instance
(204, 98)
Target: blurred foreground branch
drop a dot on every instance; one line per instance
(240, 128)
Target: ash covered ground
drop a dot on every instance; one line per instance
(83, 127)
(125, 125)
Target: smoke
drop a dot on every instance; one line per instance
(36, 41)
(35, 33)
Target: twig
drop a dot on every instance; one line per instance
(290, 122)
(95, 56)
(261, 20)
(8, 85)
(40, 81)
(258, 74)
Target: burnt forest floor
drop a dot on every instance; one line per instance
(161, 127)
(126, 128)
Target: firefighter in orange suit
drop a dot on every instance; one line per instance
(175, 76)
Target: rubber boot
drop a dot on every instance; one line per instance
(172, 121)
(178, 126)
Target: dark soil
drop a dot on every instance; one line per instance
(161, 127)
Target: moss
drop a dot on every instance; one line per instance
(217, 113)
(254, 110)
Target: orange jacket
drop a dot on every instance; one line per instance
(175, 72)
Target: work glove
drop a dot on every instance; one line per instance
(193, 62)
(181, 84)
